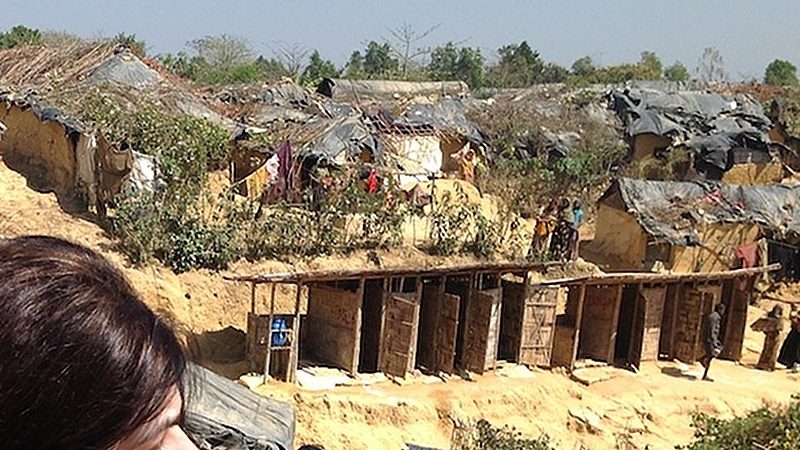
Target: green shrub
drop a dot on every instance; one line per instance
(484, 436)
(769, 427)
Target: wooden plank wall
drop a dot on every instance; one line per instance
(334, 323)
(599, 323)
(654, 309)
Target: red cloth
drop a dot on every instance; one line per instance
(748, 255)
(372, 182)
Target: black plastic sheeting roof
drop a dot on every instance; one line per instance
(667, 210)
(710, 124)
(43, 112)
(223, 415)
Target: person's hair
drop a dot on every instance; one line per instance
(576, 203)
(720, 308)
(777, 311)
(83, 361)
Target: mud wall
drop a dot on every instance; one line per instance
(619, 236)
(39, 150)
(645, 145)
(715, 253)
(750, 174)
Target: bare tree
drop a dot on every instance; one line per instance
(223, 52)
(405, 38)
(711, 67)
(292, 55)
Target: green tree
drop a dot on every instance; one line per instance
(379, 62)
(20, 35)
(676, 72)
(519, 66)
(222, 52)
(583, 67)
(554, 73)
(781, 73)
(354, 69)
(452, 63)
(649, 67)
(272, 68)
(317, 69)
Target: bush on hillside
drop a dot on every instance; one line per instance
(769, 427)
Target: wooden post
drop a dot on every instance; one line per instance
(387, 286)
(412, 351)
(268, 357)
(357, 327)
(295, 352)
(253, 297)
(526, 293)
(612, 345)
(678, 296)
(577, 332)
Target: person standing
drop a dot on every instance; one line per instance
(577, 221)
(790, 350)
(771, 325)
(711, 338)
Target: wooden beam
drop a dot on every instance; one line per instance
(526, 293)
(387, 285)
(332, 275)
(653, 278)
(577, 331)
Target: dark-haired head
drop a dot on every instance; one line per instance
(720, 308)
(84, 364)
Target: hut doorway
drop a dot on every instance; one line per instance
(371, 325)
(401, 325)
(438, 327)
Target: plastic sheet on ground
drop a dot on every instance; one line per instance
(223, 415)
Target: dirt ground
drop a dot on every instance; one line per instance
(652, 407)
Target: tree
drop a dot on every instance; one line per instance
(554, 73)
(649, 67)
(222, 52)
(676, 72)
(292, 56)
(379, 62)
(711, 66)
(519, 66)
(781, 73)
(271, 69)
(583, 67)
(405, 37)
(452, 63)
(61, 39)
(20, 35)
(354, 69)
(317, 69)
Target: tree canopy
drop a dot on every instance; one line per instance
(781, 73)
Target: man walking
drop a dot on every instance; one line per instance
(711, 338)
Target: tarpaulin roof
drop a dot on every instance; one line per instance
(126, 69)
(377, 90)
(708, 123)
(448, 114)
(668, 210)
(224, 415)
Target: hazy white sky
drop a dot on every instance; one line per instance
(748, 33)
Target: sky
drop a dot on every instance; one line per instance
(748, 33)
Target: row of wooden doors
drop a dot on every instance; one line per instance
(466, 330)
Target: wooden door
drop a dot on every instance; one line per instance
(689, 324)
(446, 333)
(399, 334)
(482, 330)
(647, 324)
(538, 327)
(256, 344)
(736, 318)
